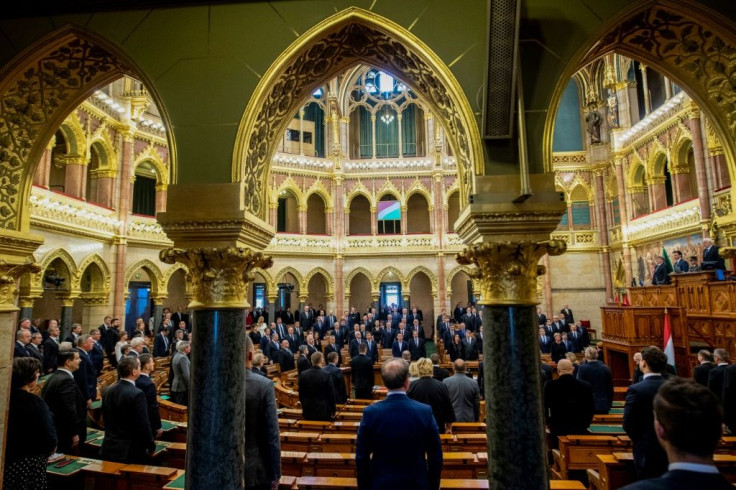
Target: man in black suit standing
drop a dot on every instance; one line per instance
(458, 312)
(145, 384)
(399, 345)
(362, 370)
(372, 345)
(34, 348)
(716, 375)
(86, 376)
(97, 354)
(128, 436)
(711, 257)
(438, 373)
(471, 348)
(568, 403)
(545, 342)
(161, 343)
(272, 348)
(688, 426)
(51, 349)
(316, 391)
(417, 349)
(702, 370)
(661, 274)
(22, 339)
(332, 347)
(65, 401)
(302, 362)
(598, 375)
(286, 357)
(355, 344)
(650, 459)
(680, 264)
(568, 314)
(338, 379)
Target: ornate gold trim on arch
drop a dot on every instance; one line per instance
(652, 163)
(399, 276)
(149, 154)
(458, 268)
(417, 188)
(329, 280)
(154, 274)
(64, 256)
(39, 88)
(110, 155)
(297, 275)
(74, 134)
(631, 179)
(388, 187)
(358, 270)
(170, 273)
(101, 265)
(289, 184)
(691, 44)
(359, 189)
(318, 188)
(682, 141)
(430, 275)
(349, 37)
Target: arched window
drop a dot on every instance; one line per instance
(389, 215)
(360, 216)
(417, 214)
(316, 218)
(639, 193)
(453, 210)
(57, 174)
(144, 190)
(287, 217)
(580, 209)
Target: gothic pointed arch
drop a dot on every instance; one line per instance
(73, 132)
(430, 275)
(359, 189)
(358, 270)
(329, 281)
(71, 266)
(396, 273)
(105, 147)
(170, 273)
(154, 274)
(387, 188)
(417, 188)
(656, 163)
(101, 288)
(297, 275)
(318, 188)
(151, 156)
(339, 42)
(290, 185)
(458, 268)
(39, 88)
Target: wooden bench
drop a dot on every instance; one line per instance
(335, 465)
(468, 427)
(172, 411)
(301, 441)
(327, 483)
(579, 452)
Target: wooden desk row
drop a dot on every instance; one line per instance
(106, 475)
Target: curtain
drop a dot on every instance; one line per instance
(313, 112)
(144, 196)
(580, 215)
(387, 134)
(366, 133)
(409, 131)
(420, 131)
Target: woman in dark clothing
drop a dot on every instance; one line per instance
(31, 433)
(557, 350)
(456, 349)
(434, 393)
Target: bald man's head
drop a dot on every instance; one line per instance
(564, 366)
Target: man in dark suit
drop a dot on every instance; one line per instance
(438, 373)
(372, 346)
(661, 274)
(362, 371)
(711, 257)
(545, 342)
(398, 451)
(550, 329)
(576, 337)
(306, 318)
(22, 339)
(316, 391)
(338, 379)
(728, 397)
(161, 343)
(680, 264)
(458, 312)
(417, 349)
(355, 344)
(599, 377)
(333, 347)
(97, 354)
(471, 348)
(128, 436)
(75, 333)
(145, 384)
(702, 370)
(65, 401)
(568, 314)
(688, 427)
(302, 362)
(86, 376)
(272, 348)
(51, 349)
(650, 459)
(279, 328)
(541, 317)
(716, 375)
(262, 445)
(34, 348)
(568, 403)
(399, 345)
(416, 327)
(286, 357)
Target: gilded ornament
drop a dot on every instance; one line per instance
(219, 276)
(508, 271)
(9, 276)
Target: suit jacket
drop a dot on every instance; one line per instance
(128, 435)
(334, 348)
(180, 367)
(711, 258)
(568, 315)
(86, 377)
(263, 445)
(439, 373)
(372, 350)
(354, 345)
(387, 338)
(649, 457)
(316, 394)
(544, 344)
(598, 375)
(435, 394)
(383, 457)
(397, 349)
(286, 359)
(557, 351)
(97, 356)
(417, 349)
(729, 397)
(362, 370)
(471, 349)
(660, 275)
(145, 384)
(302, 363)
(542, 319)
(715, 380)
(457, 351)
(568, 405)
(338, 382)
(50, 355)
(701, 372)
(34, 352)
(682, 480)
(161, 346)
(20, 350)
(681, 265)
(272, 351)
(68, 407)
(465, 396)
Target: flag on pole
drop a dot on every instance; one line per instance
(667, 261)
(669, 344)
(617, 298)
(626, 299)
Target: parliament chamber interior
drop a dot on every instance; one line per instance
(507, 185)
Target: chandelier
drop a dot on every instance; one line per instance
(387, 118)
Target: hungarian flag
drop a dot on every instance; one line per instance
(667, 261)
(669, 344)
(626, 300)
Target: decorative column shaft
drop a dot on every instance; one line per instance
(699, 156)
(121, 244)
(645, 89)
(506, 241)
(404, 220)
(374, 221)
(624, 217)
(600, 202)
(339, 286)
(216, 436)
(302, 220)
(74, 177)
(161, 198)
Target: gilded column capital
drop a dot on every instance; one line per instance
(10, 273)
(508, 270)
(220, 276)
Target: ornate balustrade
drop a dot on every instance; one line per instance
(147, 230)
(60, 213)
(675, 221)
